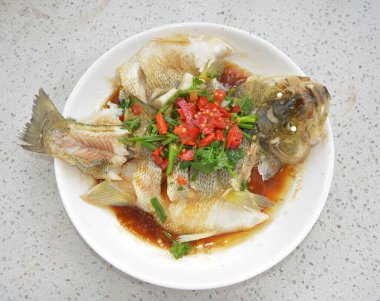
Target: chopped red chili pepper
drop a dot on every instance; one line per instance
(201, 102)
(186, 134)
(136, 109)
(219, 95)
(161, 124)
(186, 155)
(219, 122)
(207, 140)
(121, 117)
(219, 135)
(158, 159)
(235, 109)
(181, 181)
(234, 137)
(181, 114)
(188, 110)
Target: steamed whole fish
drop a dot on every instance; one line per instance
(181, 145)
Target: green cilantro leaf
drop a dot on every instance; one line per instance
(246, 105)
(132, 124)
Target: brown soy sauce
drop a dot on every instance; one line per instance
(143, 225)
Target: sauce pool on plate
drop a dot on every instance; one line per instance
(143, 225)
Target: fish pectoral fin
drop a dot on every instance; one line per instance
(247, 200)
(196, 236)
(105, 194)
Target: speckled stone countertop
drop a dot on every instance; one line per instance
(42, 257)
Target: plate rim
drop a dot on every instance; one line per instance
(245, 276)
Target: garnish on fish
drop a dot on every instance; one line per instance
(180, 143)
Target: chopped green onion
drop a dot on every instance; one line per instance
(132, 124)
(246, 104)
(172, 155)
(152, 138)
(149, 145)
(248, 119)
(171, 138)
(231, 172)
(159, 210)
(246, 126)
(246, 135)
(178, 249)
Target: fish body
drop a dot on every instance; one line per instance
(206, 212)
(161, 63)
(94, 149)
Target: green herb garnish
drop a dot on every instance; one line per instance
(132, 124)
(196, 82)
(159, 210)
(212, 158)
(244, 185)
(125, 104)
(180, 188)
(173, 151)
(234, 155)
(149, 145)
(178, 249)
(150, 138)
(247, 122)
(246, 105)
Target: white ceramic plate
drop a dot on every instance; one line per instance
(100, 229)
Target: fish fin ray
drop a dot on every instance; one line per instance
(104, 194)
(43, 111)
(195, 236)
(247, 200)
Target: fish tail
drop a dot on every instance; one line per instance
(43, 111)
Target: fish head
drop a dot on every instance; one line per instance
(291, 110)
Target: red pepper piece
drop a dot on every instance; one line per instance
(234, 137)
(219, 135)
(161, 124)
(181, 181)
(235, 109)
(219, 95)
(207, 140)
(136, 109)
(186, 155)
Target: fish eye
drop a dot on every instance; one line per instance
(291, 127)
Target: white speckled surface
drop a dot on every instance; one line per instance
(336, 42)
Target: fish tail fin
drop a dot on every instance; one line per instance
(32, 134)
